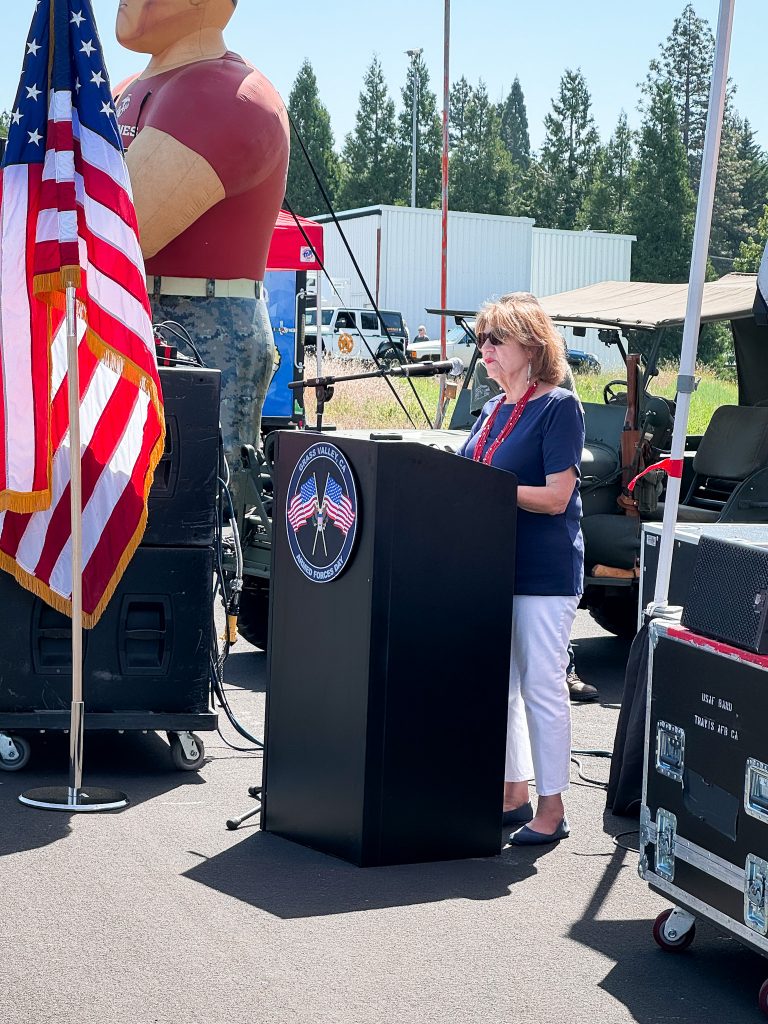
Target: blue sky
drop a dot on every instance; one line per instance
(612, 42)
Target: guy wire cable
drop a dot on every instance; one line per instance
(391, 386)
(347, 246)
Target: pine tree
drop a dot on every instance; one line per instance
(751, 251)
(482, 176)
(661, 202)
(430, 140)
(5, 123)
(461, 94)
(729, 229)
(685, 63)
(368, 172)
(606, 203)
(755, 190)
(314, 125)
(567, 155)
(514, 127)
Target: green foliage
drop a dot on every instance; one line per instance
(606, 203)
(754, 192)
(482, 175)
(751, 251)
(685, 64)
(461, 94)
(5, 123)
(369, 157)
(564, 173)
(314, 125)
(661, 203)
(429, 140)
(514, 126)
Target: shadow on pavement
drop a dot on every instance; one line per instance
(291, 881)
(601, 661)
(716, 978)
(139, 765)
(247, 669)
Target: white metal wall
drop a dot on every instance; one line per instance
(564, 260)
(487, 256)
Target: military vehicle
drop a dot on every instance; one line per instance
(726, 470)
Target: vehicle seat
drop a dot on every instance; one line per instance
(733, 447)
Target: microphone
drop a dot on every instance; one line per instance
(453, 367)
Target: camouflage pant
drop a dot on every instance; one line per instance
(234, 336)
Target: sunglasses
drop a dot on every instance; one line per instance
(493, 338)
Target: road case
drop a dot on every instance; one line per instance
(684, 555)
(704, 813)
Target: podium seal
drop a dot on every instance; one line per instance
(321, 513)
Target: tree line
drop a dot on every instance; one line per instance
(637, 182)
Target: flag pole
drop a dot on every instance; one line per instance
(686, 379)
(74, 797)
(444, 202)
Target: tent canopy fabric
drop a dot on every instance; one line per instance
(288, 249)
(641, 305)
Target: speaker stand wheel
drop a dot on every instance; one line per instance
(15, 752)
(187, 751)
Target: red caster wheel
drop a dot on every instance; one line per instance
(679, 935)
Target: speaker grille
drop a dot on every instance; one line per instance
(728, 595)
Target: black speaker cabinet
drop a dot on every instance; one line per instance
(728, 596)
(182, 501)
(146, 663)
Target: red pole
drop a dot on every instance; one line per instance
(446, 107)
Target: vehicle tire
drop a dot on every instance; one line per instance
(179, 757)
(762, 998)
(23, 751)
(617, 615)
(672, 945)
(253, 620)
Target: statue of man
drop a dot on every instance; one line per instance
(207, 143)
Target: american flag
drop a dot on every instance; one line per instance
(67, 219)
(303, 505)
(338, 506)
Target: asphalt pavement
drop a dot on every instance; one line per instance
(158, 913)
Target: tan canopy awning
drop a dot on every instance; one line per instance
(636, 304)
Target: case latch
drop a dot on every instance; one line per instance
(666, 830)
(756, 894)
(756, 789)
(670, 751)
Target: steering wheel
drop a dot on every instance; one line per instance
(611, 397)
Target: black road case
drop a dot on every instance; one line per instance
(704, 813)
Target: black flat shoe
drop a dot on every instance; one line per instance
(519, 816)
(529, 837)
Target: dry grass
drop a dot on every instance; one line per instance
(370, 403)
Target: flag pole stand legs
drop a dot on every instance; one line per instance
(73, 797)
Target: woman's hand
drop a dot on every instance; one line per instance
(553, 498)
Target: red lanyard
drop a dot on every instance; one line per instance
(506, 430)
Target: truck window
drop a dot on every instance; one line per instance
(369, 321)
(345, 320)
(394, 322)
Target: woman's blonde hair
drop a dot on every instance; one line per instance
(519, 316)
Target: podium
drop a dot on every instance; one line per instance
(390, 631)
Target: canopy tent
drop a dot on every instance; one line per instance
(641, 305)
(289, 250)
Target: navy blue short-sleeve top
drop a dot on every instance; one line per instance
(548, 438)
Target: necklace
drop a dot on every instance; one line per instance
(506, 430)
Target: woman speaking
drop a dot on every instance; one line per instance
(535, 429)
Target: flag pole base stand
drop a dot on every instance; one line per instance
(62, 798)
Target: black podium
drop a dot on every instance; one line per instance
(391, 602)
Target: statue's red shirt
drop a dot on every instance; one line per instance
(227, 112)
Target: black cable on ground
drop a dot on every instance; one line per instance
(329, 204)
(319, 325)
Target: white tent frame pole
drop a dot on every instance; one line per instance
(686, 379)
(77, 713)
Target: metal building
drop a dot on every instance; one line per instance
(399, 253)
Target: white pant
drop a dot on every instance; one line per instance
(539, 716)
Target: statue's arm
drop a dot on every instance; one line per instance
(172, 187)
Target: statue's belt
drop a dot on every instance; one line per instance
(204, 287)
